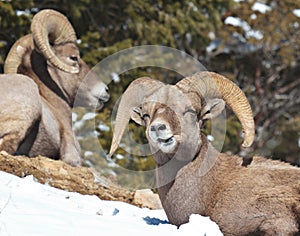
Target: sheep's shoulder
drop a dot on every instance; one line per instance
(262, 162)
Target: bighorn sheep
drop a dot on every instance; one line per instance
(192, 176)
(35, 108)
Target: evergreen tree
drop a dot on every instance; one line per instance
(259, 48)
(254, 44)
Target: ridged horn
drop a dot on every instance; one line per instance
(50, 27)
(131, 98)
(15, 56)
(209, 85)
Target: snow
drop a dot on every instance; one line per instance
(212, 35)
(234, 21)
(253, 16)
(115, 77)
(103, 127)
(79, 123)
(250, 33)
(260, 7)
(237, 22)
(211, 47)
(119, 156)
(31, 208)
(296, 12)
(20, 13)
(74, 117)
(88, 153)
(89, 116)
(191, 4)
(210, 138)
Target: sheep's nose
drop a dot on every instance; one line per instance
(159, 132)
(102, 92)
(158, 127)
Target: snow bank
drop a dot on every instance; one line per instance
(30, 208)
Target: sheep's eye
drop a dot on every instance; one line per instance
(74, 58)
(145, 116)
(191, 111)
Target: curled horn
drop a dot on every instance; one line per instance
(50, 27)
(131, 98)
(209, 85)
(15, 55)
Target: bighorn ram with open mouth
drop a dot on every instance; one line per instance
(192, 176)
(35, 107)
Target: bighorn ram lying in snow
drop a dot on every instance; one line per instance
(35, 108)
(192, 176)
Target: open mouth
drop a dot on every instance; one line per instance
(101, 101)
(100, 104)
(167, 141)
(167, 145)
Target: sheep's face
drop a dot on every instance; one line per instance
(171, 120)
(163, 127)
(88, 89)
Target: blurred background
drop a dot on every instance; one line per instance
(256, 44)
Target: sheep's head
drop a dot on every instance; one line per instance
(53, 55)
(171, 121)
(173, 114)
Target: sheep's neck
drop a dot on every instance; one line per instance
(166, 174)
(45, 81)
(39, 73)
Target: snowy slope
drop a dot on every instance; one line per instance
(30, 208)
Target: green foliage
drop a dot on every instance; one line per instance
(15, 22)
(266, 68)
(288, 134)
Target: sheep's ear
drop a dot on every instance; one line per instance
(212, 108)
(136, 116)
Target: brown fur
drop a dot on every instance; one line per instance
(261, 199)
(39, 121)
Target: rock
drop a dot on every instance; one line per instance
(147, 198)
(63, 176)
